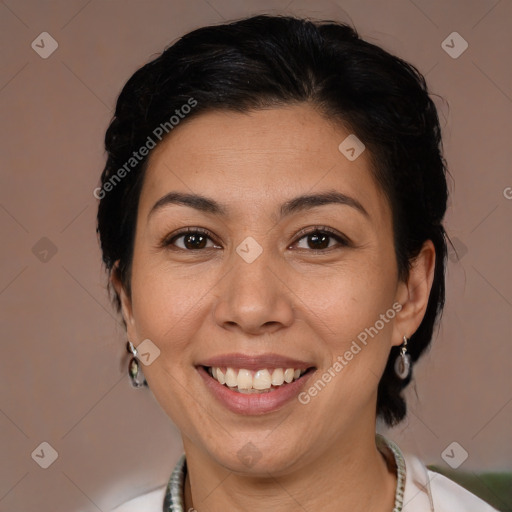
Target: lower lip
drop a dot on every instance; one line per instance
(253, 403)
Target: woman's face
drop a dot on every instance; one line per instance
(273, 281)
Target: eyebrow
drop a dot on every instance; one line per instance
(297, 204)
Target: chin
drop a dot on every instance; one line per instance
(259, 458)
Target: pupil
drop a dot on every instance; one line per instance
(193, 240)
(322, 238)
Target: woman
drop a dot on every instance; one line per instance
(271, 219)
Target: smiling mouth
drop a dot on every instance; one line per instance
(259, 381)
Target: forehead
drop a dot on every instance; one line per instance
(253, 160)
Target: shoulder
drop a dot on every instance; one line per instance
(427, 491)
(449, 496)
(147, 502)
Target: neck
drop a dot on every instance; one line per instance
(349, 476)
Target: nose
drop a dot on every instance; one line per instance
(254, 297)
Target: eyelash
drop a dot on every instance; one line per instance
(342, 241)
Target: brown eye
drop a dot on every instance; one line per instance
(318, 240)
(321, 239)
(191, 240)
(194, 241)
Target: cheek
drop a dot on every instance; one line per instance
(356, 344)
(166, 304)
(353, 318)
(351, 298)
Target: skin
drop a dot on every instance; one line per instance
(292, 300)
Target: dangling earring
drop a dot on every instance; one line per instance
(134, 372)
(403, 362)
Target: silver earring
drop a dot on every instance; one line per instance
(134, 371)
(403, 361)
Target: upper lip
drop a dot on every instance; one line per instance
(247, 362)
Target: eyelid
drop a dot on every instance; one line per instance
(168, 240)
(322, 229)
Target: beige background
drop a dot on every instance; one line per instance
(63, 363)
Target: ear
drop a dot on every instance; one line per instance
(413, 295)
(126, 303)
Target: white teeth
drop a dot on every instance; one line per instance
(288, 375)
(277, 377)
(262, 380)
(220, 376)
(231, 378)
(246, 381)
